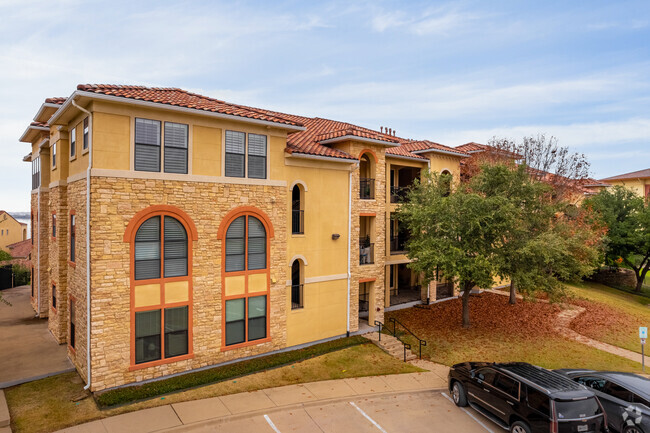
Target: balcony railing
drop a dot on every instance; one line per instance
(397, 193)
(297, 222)
(296, 296)
(366, 188)
(397, 244)
(366, 252)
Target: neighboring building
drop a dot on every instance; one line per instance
(637, 181)
(20, 253)
(175, 231)
(11, 230)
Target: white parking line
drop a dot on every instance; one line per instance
(268, 420)
(368, 418)
(469, 413)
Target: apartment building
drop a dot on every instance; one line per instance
(11, 231)
(174, 231)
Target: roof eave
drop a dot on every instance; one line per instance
(295, 154)
(357, 138)
(44, 107)
(92, 95)
(410, 158)
(447, 152)
(25, 137)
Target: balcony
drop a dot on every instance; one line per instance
(366, 188)
(398, 244)
(366, 251)
(401, 180)
(397, 193)
(296, 296)
(297, 222)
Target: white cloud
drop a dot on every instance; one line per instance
(442, 20)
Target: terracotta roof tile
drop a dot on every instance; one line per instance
(356, 131)
(182, 98)
(43, 124)
(641, 174)
(472, 147)
(55, 100)
(20, 249)
(423, 145)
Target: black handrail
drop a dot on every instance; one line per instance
(421, 342)
(405, 344)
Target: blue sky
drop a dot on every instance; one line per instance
(451, 72)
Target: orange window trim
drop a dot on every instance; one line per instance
(368, 214)
(246, 211)
(367, 280)
(129, 236)
(371, 152)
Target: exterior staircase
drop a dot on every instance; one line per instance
(391, 345)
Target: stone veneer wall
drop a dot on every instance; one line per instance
(40, 264)
(376, 270)
(114, 203)
(76, 273)
(58, 263)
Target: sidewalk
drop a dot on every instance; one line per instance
(267, 400)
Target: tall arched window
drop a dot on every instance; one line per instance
(297, 211)
(367, 163)
(246, 279)
(296, 285)
(161, 292)
(446, 182)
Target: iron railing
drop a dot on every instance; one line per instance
(397, 193)
(366, 188)
(394, 333)
(297, 222)
(366, 252)
(296, 296)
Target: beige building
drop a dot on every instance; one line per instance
(637, 181)
(174, 231)
(11, 231)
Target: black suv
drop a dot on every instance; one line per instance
(525, 398)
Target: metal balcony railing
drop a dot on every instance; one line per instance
(397, 193)
(366, 188)
(297, 222)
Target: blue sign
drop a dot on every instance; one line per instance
(643, 332)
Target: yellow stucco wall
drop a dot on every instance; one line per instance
(79, 162)
(111, 141)
(11, 231)
(206, 151)
(635, 185)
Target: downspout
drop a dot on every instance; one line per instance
(90, 162)
(38, 249)
(349, 234)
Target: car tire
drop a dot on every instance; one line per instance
(632, 429)
(458, 394)
(519, 427)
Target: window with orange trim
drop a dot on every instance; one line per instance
(246, 256)
(160, 258)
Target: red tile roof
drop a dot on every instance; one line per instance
(356, 131)
(20, 249)
(641, 174)
(183, 98)
(41, 124)
(471, 147)
(55, 100)
(423, 146)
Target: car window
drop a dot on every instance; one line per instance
(486, 375)
(575, 409)
(596, 383)
(618, 391)
(507, 385)
(640, 400)
(539, 401)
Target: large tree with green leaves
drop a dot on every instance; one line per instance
(458, 234)
(627, 218)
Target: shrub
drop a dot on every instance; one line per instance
(22, 275)
(218, 374)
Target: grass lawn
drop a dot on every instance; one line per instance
(46, 405)
(612, 316)
(501, 332)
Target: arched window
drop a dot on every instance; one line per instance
(246, 280)
(367, 176)
(445, 180)
(297, 285)
(297, 211)
(161, 292)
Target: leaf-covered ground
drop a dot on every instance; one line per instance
(611, 315)
(502, 332)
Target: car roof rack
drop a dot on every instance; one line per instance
(548, 381)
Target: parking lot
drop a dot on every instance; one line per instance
(430, 411)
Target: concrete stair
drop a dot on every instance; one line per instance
(393, 346)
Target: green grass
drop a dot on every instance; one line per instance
(612, 315)
(46, 405)
(502, 333)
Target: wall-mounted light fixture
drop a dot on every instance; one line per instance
(335, 236)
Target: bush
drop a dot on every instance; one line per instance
(22, 275)
(4, 256)
(218, 374)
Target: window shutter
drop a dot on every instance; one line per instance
(147, 145)
(257, 156)
(147, 250)
(256, 244)
(235, 149)
(175, 148)
(235, 245)
(175, 248)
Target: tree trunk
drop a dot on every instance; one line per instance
(467, 289)
(513, 293)
(640, 277)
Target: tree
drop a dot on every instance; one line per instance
(545, 245)
(628, 222)
(459, 233)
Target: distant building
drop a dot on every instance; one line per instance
(11, 230)
(637, 181)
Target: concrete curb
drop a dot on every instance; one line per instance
(235, 417)
(33, 378)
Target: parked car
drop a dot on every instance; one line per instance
(624, 396)
(524, 398)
